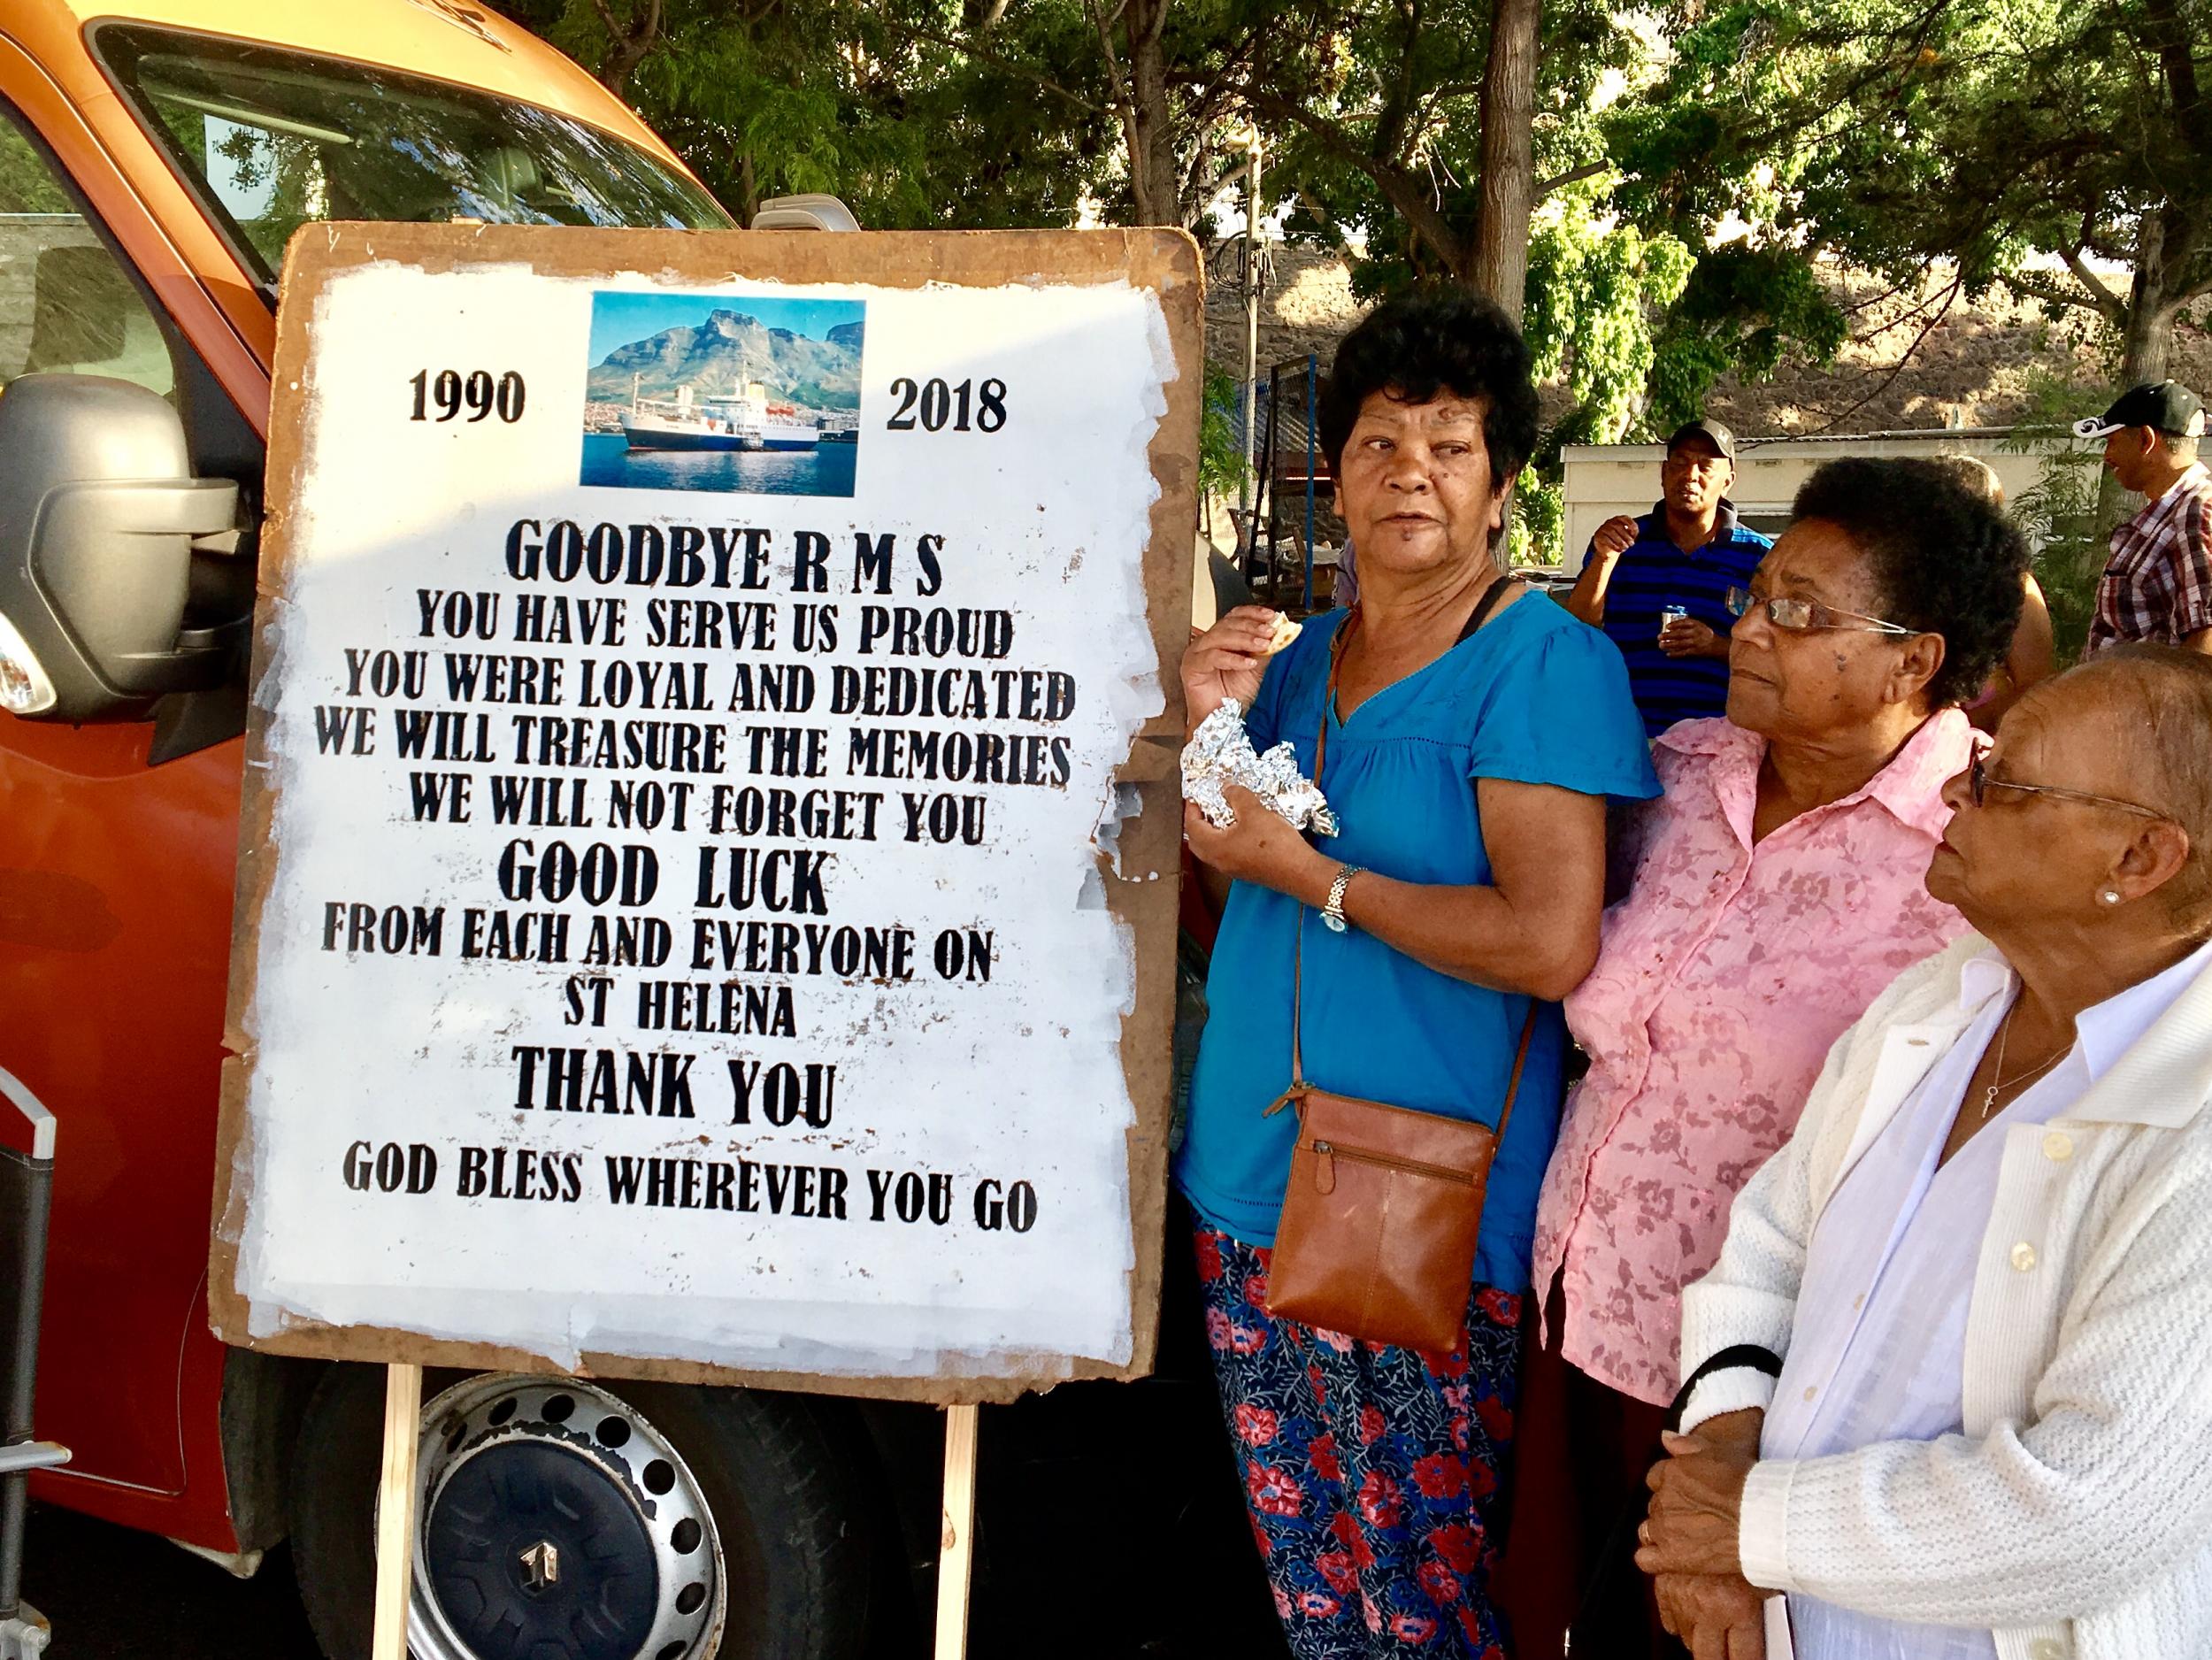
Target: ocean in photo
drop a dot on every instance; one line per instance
(609, 462)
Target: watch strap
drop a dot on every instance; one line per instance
(1332, 912)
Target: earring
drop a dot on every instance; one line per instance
(2111, 896)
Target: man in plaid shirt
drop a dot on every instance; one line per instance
(2158, 585)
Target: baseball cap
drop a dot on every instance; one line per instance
(1711, 431)
(2166, 407)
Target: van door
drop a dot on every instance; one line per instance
(115, 894)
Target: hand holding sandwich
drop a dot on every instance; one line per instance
(1229, 660)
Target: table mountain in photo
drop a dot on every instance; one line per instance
(730, 347)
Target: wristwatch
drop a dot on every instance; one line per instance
(1332, 913)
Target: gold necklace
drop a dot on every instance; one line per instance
(1999, 1083)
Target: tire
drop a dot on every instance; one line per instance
(794, 1520)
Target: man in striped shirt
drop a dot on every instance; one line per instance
(1684, 556)
(2158, 584)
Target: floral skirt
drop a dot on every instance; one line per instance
(1373, 1474)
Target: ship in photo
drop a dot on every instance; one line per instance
(747, 419)
(754, 394)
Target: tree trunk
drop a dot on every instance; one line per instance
(748, 189)
(2147, 346)
(1140, 100)
(2150, 326)
(627, 44)
(1153, 180)
(1499, 268)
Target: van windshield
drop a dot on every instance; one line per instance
(271, 139)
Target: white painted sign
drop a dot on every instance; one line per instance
(688, 905)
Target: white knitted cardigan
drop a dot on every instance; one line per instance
(2073, 1517)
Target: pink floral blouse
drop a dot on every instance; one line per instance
(1720, 981)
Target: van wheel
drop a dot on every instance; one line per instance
(564, 1520)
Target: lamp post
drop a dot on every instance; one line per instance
(1254, 281)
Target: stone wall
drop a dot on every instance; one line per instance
(1308, 308)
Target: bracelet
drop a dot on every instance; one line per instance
(1332, 913)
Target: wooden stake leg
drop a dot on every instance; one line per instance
(956, 1555)
(395, 1511)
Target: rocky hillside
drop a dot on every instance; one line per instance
(822, 374)
(1976, 365)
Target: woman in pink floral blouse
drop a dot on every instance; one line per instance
(1775, 888)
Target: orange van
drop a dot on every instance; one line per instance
(155, 156)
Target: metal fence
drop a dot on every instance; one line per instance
(26, 1189)
(1279, 543)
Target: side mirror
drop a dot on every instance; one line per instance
(100, 519)
(812, 213)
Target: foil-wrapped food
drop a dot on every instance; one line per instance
(1220, 754)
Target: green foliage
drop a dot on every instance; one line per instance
(1596, 292)
(1539, 519)
(27, 179)
(1952, 141)
(2060, 514)
(883, 103)
(1222, 466)
(974, 113)
(1375, 109)
(1742, 310)
(1630, 308)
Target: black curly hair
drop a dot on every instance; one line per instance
(1945, 560)
(1439, 337)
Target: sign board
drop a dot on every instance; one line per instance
(708, 867)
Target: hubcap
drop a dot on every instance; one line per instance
(557, 1524)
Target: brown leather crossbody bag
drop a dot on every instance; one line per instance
(1377, 1236)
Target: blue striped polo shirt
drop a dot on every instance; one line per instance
(1652, 572)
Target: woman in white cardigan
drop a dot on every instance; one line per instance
(1985, 1258)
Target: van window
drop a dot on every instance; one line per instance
(66, 303)
(271, 139)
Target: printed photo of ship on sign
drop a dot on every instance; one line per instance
(754, 394)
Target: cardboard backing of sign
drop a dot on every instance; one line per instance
(1138, 868)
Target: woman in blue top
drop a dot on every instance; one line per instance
(1469, 770)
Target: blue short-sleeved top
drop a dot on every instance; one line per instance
(1535, 696)
(1653, 574)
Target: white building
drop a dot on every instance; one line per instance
(1601, 481)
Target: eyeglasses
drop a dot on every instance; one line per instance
(1805, 616)
(1978, 784)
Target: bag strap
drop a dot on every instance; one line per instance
(1476, 618)
(1320, 752)
(1484, 606)
(1616, 1556)
(1751, 1355)
(1520, 1061)
(1489, 602)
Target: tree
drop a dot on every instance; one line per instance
(1460, 138)
(1170, 73)
(1499, 268)
(629, 38)
(1975, 143)
(1599, 292)
(1472, 139)
(1430, 131)
(1138, 74)
(1433, 128)
(968, 113)
(880, 102)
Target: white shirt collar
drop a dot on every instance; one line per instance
(2102, 1032)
